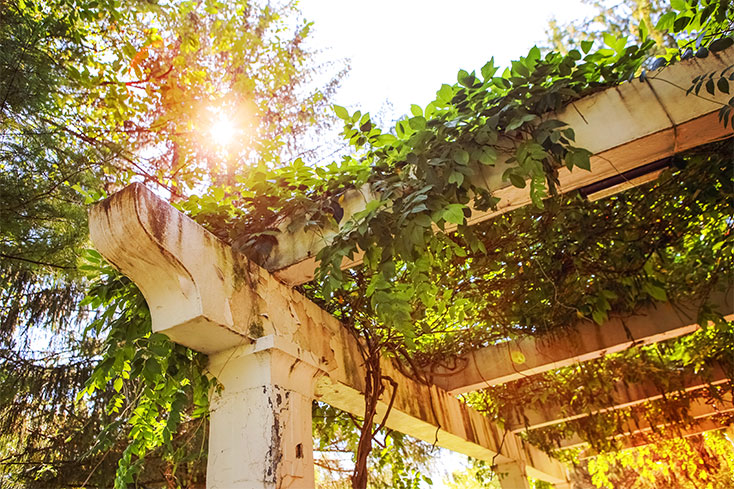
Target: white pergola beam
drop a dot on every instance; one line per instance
(516, 359)
(212, 300)
(625, 127)
(698, 427)
(699, 409)
(624, 396)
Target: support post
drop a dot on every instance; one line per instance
(260, 428)
(512, 475)
(267, 343)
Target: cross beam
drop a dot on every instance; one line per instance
(698, 427)
(623, 396)
(513, 360)
(698, 409)
(273, 350)
(625, 127)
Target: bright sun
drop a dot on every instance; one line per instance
(223, 130)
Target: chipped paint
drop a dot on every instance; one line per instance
(262, 335)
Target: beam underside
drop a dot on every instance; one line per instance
(208, 289)
(517, 359)
(444, 419)
(624, 127)
(699, 409)
(623, 396)
(698, 427)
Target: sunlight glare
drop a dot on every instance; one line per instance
(223, 131)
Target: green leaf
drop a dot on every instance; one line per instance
(466, 79)
(422, 220)
(486, 135)
(574, 54)
(520, 69)
(456, 177)
(723, 85)
(454, 213)
(486, 155)
(501, 82)
(445, 94)
(599, 316)
(665, 22)
(417, 123)
(681, 23)
(579, 157)
(613, 42)
(532, 58)
(721, 44)
(152, 370)
(644, 31)
(416, 110)
(488, 70)
(518, 121)
(517, 180)
(656, 292)
(383, 140)
(586, 46)
(710, 86)
(341, 112)
(460, 156)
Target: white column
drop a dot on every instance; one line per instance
(512, 475)
(260, 429)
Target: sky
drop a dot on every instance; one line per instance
(402, 51)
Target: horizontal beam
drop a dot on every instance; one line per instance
(210, 299)
(698, 427)
(623, 396)
(513, 360)
(699, 408)
(625, 127)
(430, 414)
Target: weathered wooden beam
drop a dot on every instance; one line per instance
(699, 409)
(206, 297)
(623, 396)
(520, 358)
(625, 127)
(698, 427)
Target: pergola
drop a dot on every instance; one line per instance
(274, 351)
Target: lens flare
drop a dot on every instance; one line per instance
(223, 130)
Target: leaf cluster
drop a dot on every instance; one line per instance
(424, 295)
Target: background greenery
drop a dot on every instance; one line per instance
(98, 94)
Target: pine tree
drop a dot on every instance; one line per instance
(93, 95)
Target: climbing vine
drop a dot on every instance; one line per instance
(421, 295)
(159, 388)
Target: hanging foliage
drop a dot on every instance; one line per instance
(421, 295)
